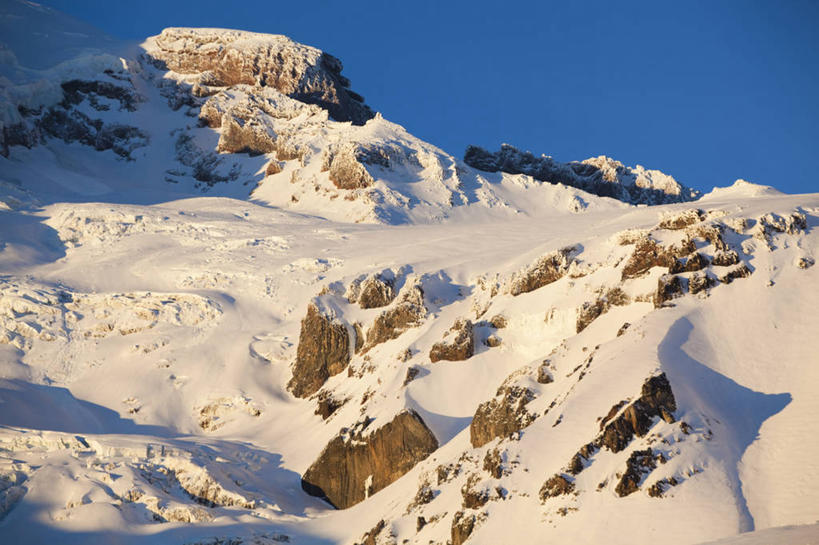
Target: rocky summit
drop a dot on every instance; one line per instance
(237, 306)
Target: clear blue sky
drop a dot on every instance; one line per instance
(706, 91)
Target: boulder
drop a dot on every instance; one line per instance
(323, 351)
(353, 466)
(658, 489)
(328, 404)
(459, 347)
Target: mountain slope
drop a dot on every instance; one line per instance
(226, 294)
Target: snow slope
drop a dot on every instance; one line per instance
(152, 297)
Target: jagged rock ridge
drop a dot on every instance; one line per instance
(600, 175)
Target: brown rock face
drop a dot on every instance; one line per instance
(351, 468)
(694, 262)
(668, 287)
(501, 416)
(323, 351)
(544, 375)
(462, 527)
(226, 58)
(460, 347)
(658, 489)
(273, 167)
(648, 254)
(376, 292)
(347, 172)
(544, 271)
(327, 405)
(579, 461)
(656, 400)
(370, 537)
(474, 497)
(699, 282)
(245, 136)
(742, 271)
(682, 220)
(640, 463)
(590, 311)
(725, 258)
(391, 323)
(493, 463)
(557, 485)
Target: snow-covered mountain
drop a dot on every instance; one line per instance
(238, 306)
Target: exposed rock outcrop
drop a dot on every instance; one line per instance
(639, 464)
(370, 537)
(600, 175)
(544, 271)
(328, 405)
(374, 291)
(691, 263)
(459, 347)
(556, 485)
(501, 416)
(725, 258)
(590, 311)
(323, 351)
(620, 426)
(658, 489)
(347, 172)
(392, 322)
(229, 57)
(682, 220)
(740, 271)
(700, 282)
(355, 465)
(463, 524)
(474, 496)
(648, 253)
(770, 224)
(669, 286)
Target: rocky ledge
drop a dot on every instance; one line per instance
(356, 464)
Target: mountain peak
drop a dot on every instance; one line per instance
(222, 57)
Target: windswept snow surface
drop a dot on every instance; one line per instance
(151, 303)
